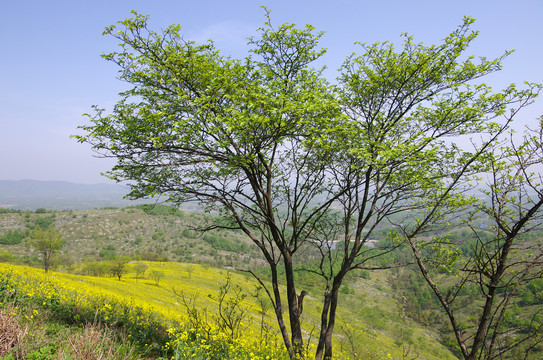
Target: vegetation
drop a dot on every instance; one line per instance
(12, 237)
(103, 234)
(499, 261)
(390, 204)
(47, 242)
(147, 327)
(310, 172)
(378, 305)
(377, 325)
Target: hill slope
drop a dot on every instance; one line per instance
(370, 319)
(367, 325)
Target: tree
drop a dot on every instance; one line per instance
(230, 134)
(118, 266)
(306, 170)
(394, 157)
(47, 242)
(140, 269)
(231, 312)
(501, 260)
(156, 275)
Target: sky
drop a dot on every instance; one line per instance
(52, 72)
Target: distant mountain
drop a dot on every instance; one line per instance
(61, 195)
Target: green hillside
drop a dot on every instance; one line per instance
(369, 324)
(370, 319)
(155, 234)
(172, 269)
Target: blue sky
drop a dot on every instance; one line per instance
(51, 70)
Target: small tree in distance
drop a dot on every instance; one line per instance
(47, 242)
(118, 266)
(140, 269)
(156, 275)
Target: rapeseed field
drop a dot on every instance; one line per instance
(162, 320)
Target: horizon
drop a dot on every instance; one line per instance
(54, 72)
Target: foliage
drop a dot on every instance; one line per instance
(118, 266)
(302, 168)
(371, 312)
(43, 222)
(159, 209)
(47, 242)
(232, 312)
(156, 275)
(140, 269)
(9, 211)
(6, 256)
(79, 303)
(13, 237)
(30, 332)
(214, 345)
(155, 333)
(221, 243)
(108, 252)
(502, 260)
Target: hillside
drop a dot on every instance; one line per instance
(370, 320)
(104, 233)
(381, 312)
(367, 323)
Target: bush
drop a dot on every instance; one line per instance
(12, 237)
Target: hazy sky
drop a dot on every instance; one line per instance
(52, 72)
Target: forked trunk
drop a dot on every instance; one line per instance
(294, 315)
(328, 321)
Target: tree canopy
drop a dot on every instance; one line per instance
(47, 242)
(296, 163)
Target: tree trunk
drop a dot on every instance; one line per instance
(279, 311)
(294, 316)
(331, 323)
(46, 260)
(328, 319)
(324, 323)
(481, 335)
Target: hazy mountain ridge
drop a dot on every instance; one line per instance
(61, 195)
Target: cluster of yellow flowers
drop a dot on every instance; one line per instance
(212, 343)
(73, 299)
(157, 329)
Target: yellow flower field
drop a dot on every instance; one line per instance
(151, 314)
(175, 317)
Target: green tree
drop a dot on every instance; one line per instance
(501, 262)
(156, 275)
(118, 266)
(234, 130)
(47, 242)
(277, 150)
(140, 269)
(13, 237)
(396, 153)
